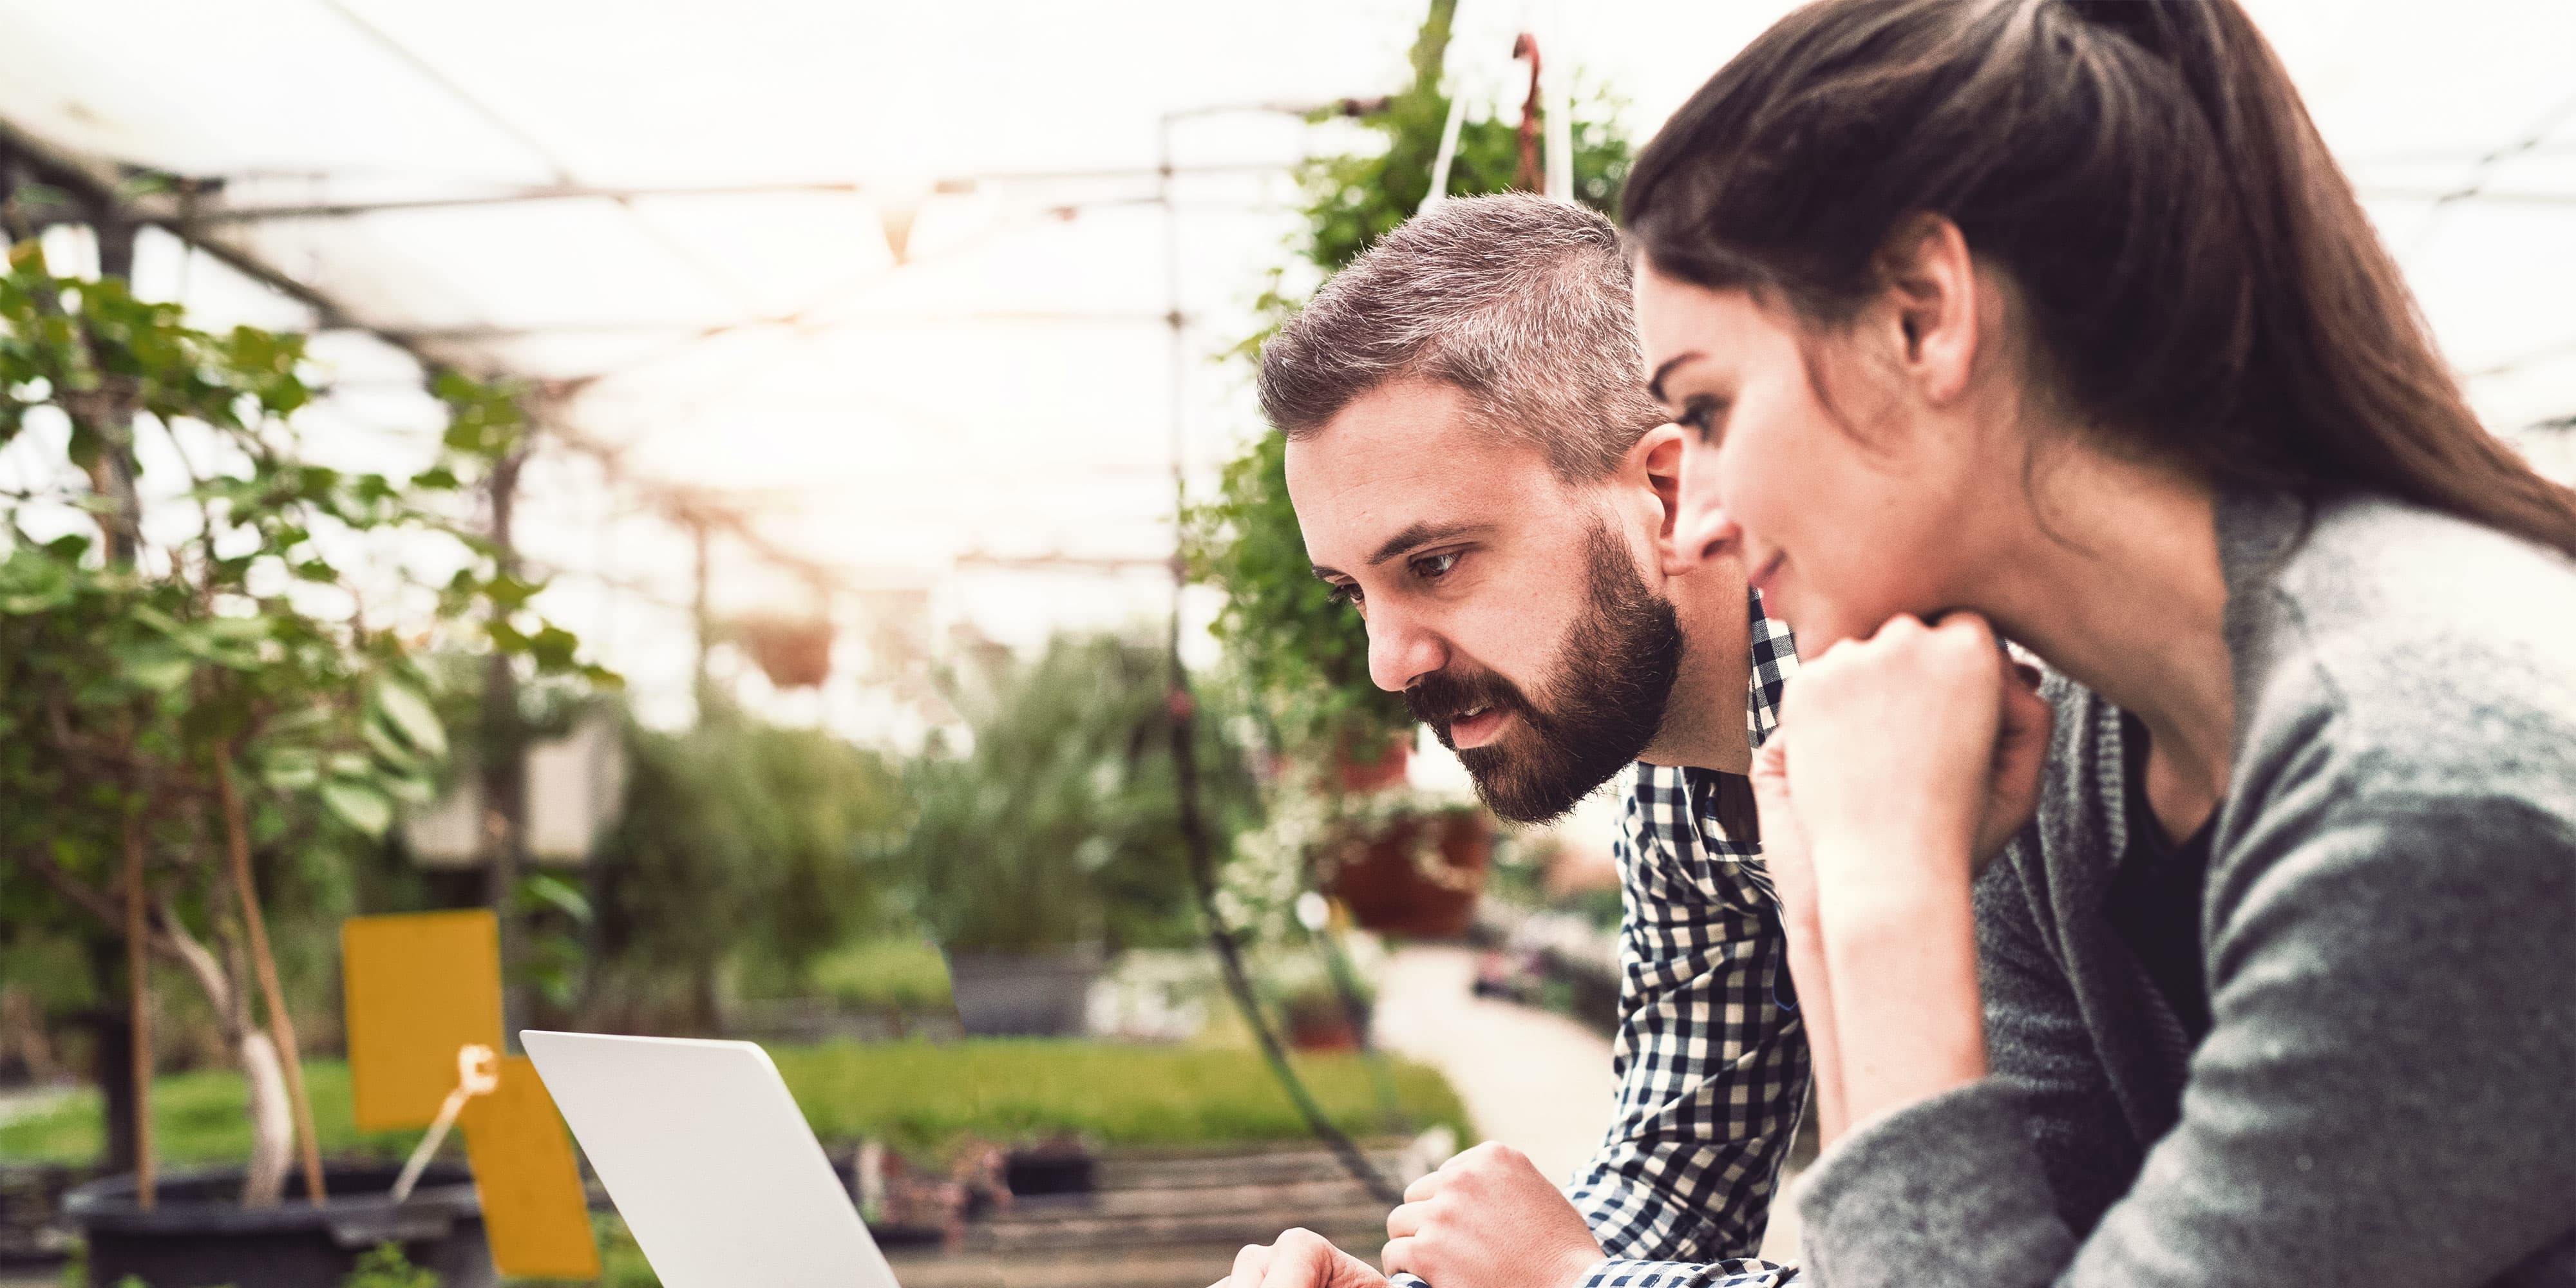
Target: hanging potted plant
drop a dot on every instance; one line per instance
(201, 681)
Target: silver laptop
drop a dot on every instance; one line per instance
(710, 1162)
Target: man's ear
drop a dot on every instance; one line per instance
(1932, 303)
(1656, 463)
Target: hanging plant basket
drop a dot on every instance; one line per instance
(795, 653)
(1416, 875)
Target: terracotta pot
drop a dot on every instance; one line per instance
(1359, 778)
(1378, 879)
(794, 654)
(1319, 1022)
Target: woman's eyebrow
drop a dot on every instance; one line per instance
(1655, 384)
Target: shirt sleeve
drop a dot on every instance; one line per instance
(1711, 1062)
(2382, 1098)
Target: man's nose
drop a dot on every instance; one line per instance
(1401, 650)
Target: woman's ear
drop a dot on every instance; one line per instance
(1932, 293)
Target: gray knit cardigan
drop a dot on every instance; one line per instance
(2388, 1093)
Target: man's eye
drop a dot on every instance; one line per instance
(1434, 567)
(1701, 414)
(1345, 592)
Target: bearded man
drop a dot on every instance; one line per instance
(1478, 469)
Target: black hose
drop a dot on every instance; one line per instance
(1194, 842)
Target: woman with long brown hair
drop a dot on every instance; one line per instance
(2054, 320)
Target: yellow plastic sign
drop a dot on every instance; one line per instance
(534, 1210)
(419, 986)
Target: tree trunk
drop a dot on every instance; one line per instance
(505, 769)
(272, 1119)
(111, 1060)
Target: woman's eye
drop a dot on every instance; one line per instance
(1434, 567)
(1702, 414)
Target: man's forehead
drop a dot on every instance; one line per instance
(1406, 455)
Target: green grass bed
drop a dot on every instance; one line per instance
(918, 1096)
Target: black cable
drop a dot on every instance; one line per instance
(1238, 983)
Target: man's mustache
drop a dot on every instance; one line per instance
(1441, 697)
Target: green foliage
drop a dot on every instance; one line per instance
(227, 642)
(1302, 653)
(740, 842)
(923, 1095)
(385, 1266)
(919, 1096)
(198, 1118)
(1059, 824)
(902, 972)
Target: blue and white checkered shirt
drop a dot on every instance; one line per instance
(1711, 1060)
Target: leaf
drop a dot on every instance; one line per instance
(294, 769)
(392, 752)
(360, 805)
(553, 646)
(411, 789)
(543, 890)
(159, 669)
(411, 715)
(511, 592)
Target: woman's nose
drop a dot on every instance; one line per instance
(1700, 533)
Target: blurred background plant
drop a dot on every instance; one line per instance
(1050, 821)
(212, 681)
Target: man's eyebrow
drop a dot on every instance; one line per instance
(1655, 385)
(1416, 535)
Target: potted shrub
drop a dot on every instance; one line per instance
(1052, 836)
(201, 680)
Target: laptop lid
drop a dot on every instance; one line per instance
(709, 1160)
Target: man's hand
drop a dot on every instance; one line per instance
(1488, 1219)
(1300, 1259)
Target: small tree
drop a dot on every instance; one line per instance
(216, 686)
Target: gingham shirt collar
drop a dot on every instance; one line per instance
(1774, 657)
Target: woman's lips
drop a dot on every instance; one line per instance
(1476, 728)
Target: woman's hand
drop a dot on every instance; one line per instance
(1903, 762)
(1890, 742)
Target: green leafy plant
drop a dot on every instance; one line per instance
(213, 684)
(1058, 824)
(740, 845)
(385, 1266)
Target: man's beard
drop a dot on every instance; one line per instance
(1602, 704)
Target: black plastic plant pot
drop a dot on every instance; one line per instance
(198, 1235)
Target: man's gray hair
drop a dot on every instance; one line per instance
(1521, 303)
